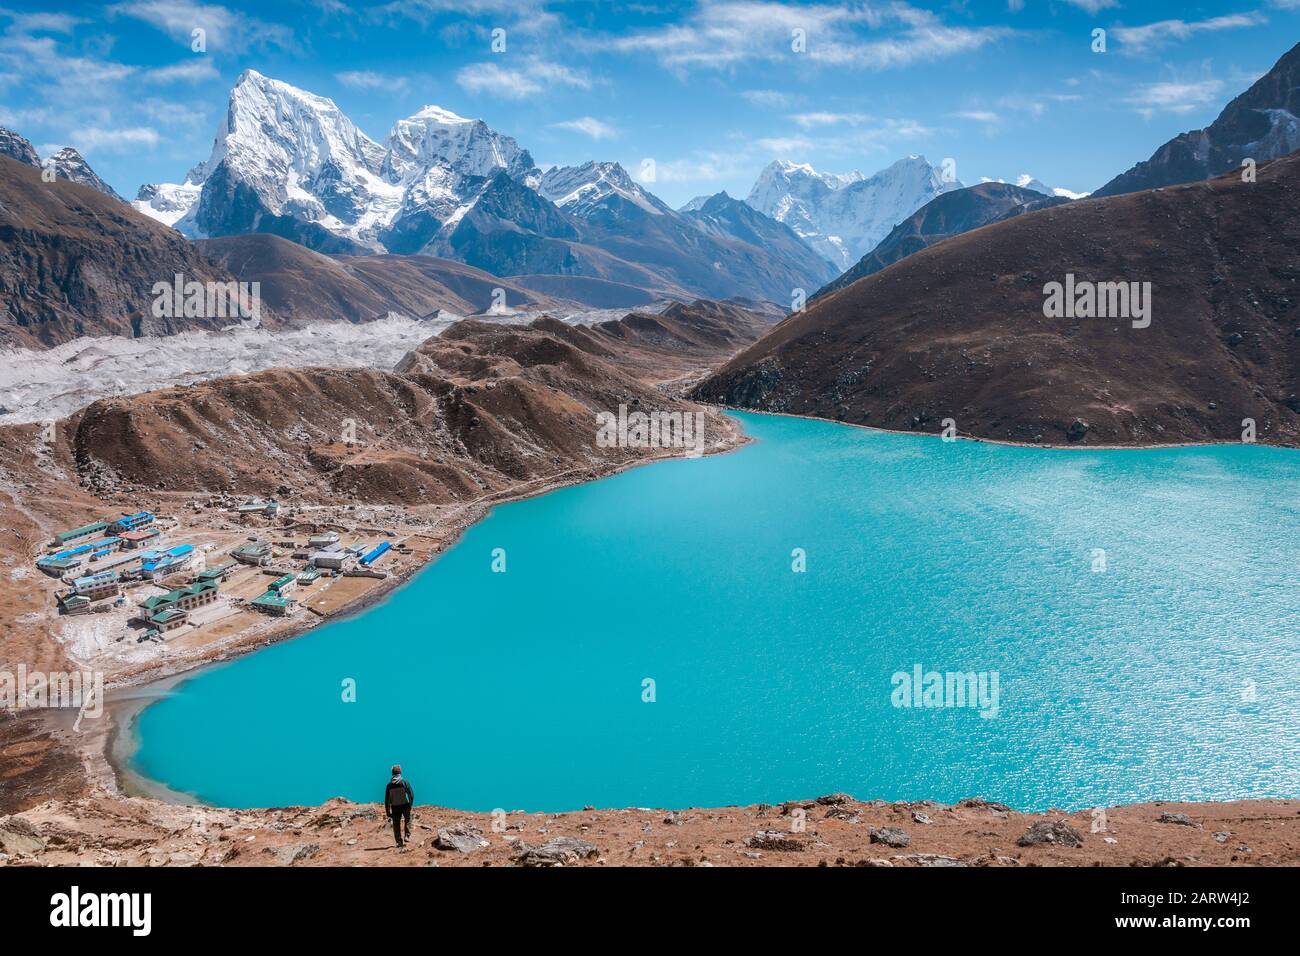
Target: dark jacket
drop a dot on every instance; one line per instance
(398, 793)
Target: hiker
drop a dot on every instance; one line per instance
(398, 798)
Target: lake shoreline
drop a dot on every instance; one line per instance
(999, 441)
(107, 753)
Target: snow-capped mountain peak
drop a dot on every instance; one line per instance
(271, 125)
(437, 136)
(295, 157)
(843, 216)
(579, 188)
(1034, 184)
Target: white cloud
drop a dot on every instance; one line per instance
(977, 116)
(226, 31)
(114, 140)
(813, 120)
(368, 80)
(191, 71)
(1174, 96)
(773, 99)
(41, 22)
(588, 126)
(1094, 6)
(721, 33)
(532, 77)
(1162, 32)
(785, 145)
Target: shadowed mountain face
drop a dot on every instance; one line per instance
(301, 284)
(958, 330)
(947, 215)
(75, 261)
(1260, 124)
(628, 237)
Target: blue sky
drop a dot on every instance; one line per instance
(712, 91)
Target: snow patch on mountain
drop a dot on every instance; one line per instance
(578, 189)
(844, 216)
(1026, 181)
(167, 202)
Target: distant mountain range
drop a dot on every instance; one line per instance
(960, 331)
(1260, 124)
(290, 163)
(947, 215)
(843, 217)
(481, 216)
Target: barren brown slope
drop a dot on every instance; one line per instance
(475, 410)
(74, 261)
(957, 330)
(305, 285)
(683, 341)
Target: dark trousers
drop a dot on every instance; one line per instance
(399, 814)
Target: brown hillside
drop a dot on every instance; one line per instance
(957, 330)
(74, 261)
(479, 408)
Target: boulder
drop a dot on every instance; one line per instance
(834, 799)
(460, 838)
(291, 853)
(1051, 833)
(19, 836)
(775, 840)
(891, 836)
(560, 851)
(847, 814)
(1178, 819)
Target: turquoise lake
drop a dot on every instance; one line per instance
(1172, 673)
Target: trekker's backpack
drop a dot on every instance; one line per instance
(397, 793)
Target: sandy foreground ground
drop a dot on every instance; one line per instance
(835, 830)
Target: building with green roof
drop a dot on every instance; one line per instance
(168, 619)
(219, 573)
(284, 583)
(272, 603)
(191, 596)
(63, 537)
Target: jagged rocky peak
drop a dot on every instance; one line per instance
(287, 161)
(69, 164)
(271, 123)
(16, 146)
(578, 188)
(435, 136)
(1262, 123)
